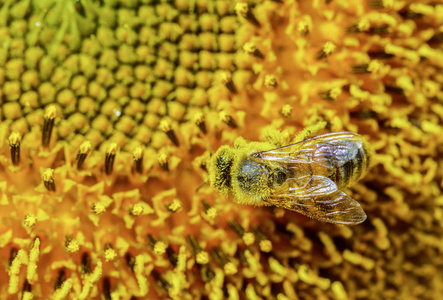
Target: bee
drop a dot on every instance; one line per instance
(307, 177)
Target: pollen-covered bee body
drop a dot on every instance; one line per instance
(307, 177)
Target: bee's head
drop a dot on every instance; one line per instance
(220, 169)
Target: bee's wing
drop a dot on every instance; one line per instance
(308, 191)
(327, 151)
(336, 207)
(312, 185)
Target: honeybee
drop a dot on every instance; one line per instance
(307, 177)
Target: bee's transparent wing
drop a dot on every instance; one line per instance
(307, 190)
(327, 151)
(336, 207)
(312, 185)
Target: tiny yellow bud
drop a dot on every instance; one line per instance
(248, 238)
(160, 248)
(30, 220)
(136, 210)
(202, 257)
(72, 245)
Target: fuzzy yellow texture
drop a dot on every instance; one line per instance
(169, 82)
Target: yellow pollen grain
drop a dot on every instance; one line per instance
(230, 268)
(137, 153)
(375, 66)
(329, 48)
(30, 220)
(225, 116)
(162, 158)
(175, 205)
(265, 246)
(199, 117)
(72, 246)
(248, 238)
(250, 47)
(109, 254)
(202, 257)
(48, 175)
(98, 208)
(225, 77)
(51, 112)
(363, 25)
(160, 248)
(211, 213)
(304, 27)
(270, 81)
(112, 148)
(241, 9)
(85, 147)
(137, 210)
(14, 139)
(165, 125)
(286, 111)
(335, 92)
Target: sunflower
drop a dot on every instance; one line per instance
(111, 111)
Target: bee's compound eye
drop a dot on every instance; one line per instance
(280, 178)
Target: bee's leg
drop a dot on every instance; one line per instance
(308, 131)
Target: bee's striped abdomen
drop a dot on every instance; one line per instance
(356, 164)
(348, 160)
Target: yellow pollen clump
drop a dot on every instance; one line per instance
(110, 254)
(248, 238)
(271, 81)
(334, 93)
(250, 47)
(202, 257)
(85, 147)
(30, 220)
(286, 111)
(241, 8)
(329, 48)
(137, 210)
(160, 248)
(230, 268)
(98, 208)
(72, 245)
(265, 245)
(175, 205)
(165, 125)
(14, 138)
(211, 213)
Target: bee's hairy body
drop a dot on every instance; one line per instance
(295, 177)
